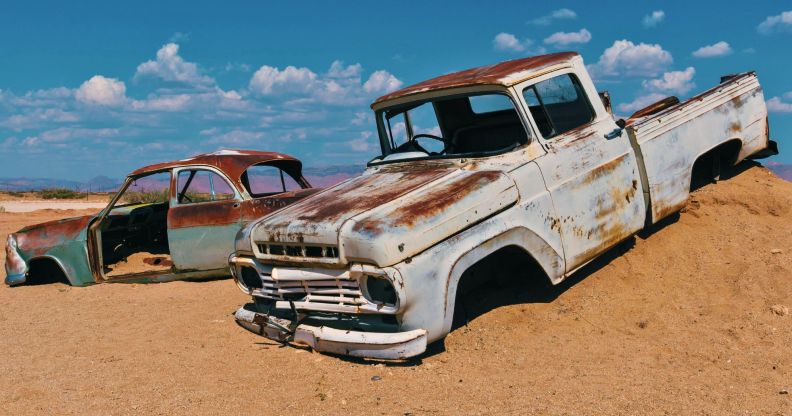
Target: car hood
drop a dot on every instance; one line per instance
(387, 215)
(53, 233)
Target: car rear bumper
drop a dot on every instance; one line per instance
(378, 345)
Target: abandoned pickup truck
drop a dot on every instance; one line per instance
(516, 168)
(168, 221)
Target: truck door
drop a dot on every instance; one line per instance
(203, 220)
(589, 169)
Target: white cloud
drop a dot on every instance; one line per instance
(679, 82)
(175, 102)
(382, 82)
(641, 102)
(567, 38)
(628, 59)
(710, 51)
(236, 66)
(64, 134)
(170, 66)
(625, 58)
(236, 137)
(652, 19)
(775, 105)
(788, 95)
(340, 85)
(338, 70)
(507, 42)
(361, 117)
(179, 37)
(276, 109)
(560, 14)
(101, 91)
(268, 80)
(362, 143)
(39, 117)
(777, 23)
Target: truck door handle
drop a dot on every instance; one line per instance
(613, 134)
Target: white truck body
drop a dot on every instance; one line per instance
(370, 267)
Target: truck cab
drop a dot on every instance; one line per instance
(517, 168)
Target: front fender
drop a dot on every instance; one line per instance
(431, 278)
(71, 258)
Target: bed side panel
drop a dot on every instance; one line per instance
(671, 141)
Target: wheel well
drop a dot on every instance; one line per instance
(707, 166)
(44, 270)
(498, 279)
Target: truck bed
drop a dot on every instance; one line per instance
(732, 113)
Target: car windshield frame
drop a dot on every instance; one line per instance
(384, 135)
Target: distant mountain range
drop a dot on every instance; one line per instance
(783, 171)
(317, 176)
(97, 184)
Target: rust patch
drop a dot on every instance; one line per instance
(656, 107)
(579, 133)
(603, 170)
(662, 211)
(259, 207)
(355, 196)
(233, 163)
(735, 127)
(204, 214)
(433, 202)
(38, 238)
(484, 75)
(608, 236)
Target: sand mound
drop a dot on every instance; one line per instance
(689, 318)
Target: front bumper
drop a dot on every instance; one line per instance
(378, 345)
(15, 266)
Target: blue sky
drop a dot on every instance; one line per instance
(90, 88)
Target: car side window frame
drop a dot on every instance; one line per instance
(175, 180)
(520, 91)
(301, 182)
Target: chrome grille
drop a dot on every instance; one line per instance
(298, 250)
(338, 290)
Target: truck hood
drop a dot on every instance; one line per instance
(385, 216)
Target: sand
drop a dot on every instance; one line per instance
(688, 319)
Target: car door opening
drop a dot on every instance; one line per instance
(134, 235)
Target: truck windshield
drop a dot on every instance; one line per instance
(469, 125)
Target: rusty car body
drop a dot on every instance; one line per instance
(522, 171)
(181, 227)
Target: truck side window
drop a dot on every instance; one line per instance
(558, 105)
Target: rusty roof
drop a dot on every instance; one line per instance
(232, 162)
(505, 73)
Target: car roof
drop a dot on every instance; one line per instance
(231, 162)
(506, 74)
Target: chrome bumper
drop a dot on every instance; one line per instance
(379, 345)
(15, 267)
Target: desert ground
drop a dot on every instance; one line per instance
(691, 317)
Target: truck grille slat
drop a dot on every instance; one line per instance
(299, 250)
(336, 291)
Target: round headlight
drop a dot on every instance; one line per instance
(380, 291)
